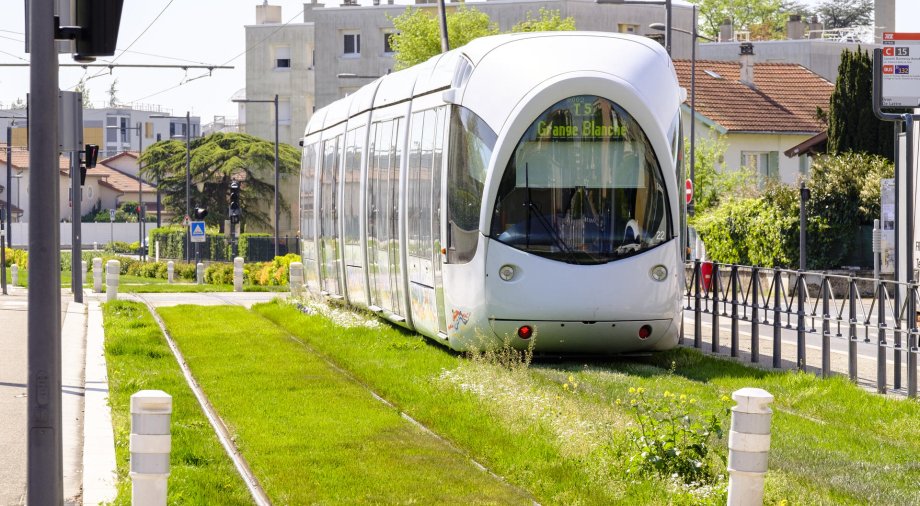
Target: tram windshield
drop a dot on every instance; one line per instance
(583, 186)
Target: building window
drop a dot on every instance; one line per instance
(627, 28)
(283, 57)
(352, 44)
(388, 42)
(763, 163)
(804, 164)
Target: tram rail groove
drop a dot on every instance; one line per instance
(820, 309)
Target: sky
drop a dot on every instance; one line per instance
(208, 32)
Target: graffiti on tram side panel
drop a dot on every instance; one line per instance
(458, 318)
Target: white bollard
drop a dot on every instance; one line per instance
(14, 272)
(156, 247)
(199, 273)
(238, 274)
(150, 446)
(95, 245)
(748, 446)
(170, 271)
(112, 271)
(296, 279)
(97, 275)
(83, 272)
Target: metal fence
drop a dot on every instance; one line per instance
(829, 323)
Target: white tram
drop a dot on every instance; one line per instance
(522, 187)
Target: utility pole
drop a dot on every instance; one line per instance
(45, 447)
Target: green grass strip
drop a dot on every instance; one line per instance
(311, 434)
(832, 443)
(138, 358)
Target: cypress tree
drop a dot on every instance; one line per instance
(852, 126)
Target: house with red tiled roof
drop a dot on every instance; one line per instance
(105, 187)
(760, 110)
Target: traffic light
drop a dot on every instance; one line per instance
(200, 213)
(90, 155)
(235, 211)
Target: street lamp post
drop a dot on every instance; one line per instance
(695, 35)
(274, 101)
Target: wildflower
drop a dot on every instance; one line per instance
(632, 390)
(725, 398)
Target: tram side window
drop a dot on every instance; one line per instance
(307, 229)
(470, 149)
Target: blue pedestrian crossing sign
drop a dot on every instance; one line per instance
(197, 231)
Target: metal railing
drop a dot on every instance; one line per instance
(862, 319)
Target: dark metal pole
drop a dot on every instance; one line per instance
(442, 17)
(9, 183)
(911, 268)
(803, 224)
(188, 180)
(276, 174)
(45, 462)
(76, 278)
(3, 251)
(691, 206)
(667, 32)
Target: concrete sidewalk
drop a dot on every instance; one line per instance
(88, 438)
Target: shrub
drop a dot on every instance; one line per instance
(674, 439)
(219, 274)
(753, 231)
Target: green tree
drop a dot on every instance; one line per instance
(549, 21)
(418, 36)
(216, 161)
(84, 93)
(852, 125)
(765, 19)
(113, 93)
(845, 13)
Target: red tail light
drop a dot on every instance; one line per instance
(645, 331)
(525, 332)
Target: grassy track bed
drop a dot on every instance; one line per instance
(311, 434)
(138, 358)
(556, 429)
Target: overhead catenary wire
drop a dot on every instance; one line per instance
(257, 44)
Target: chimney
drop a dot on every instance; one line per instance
(795, 27)
(747, 64)
(815, 28)
(726, 31)
(267, 14)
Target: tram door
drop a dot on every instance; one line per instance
(423, 240)
(351, 217)
(328, 223)
(382, 217)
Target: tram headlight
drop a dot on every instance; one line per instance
(506, 272)
(659, 273)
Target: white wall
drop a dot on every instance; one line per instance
(100, 233)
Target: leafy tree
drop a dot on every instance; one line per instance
(113, 93)
(763, 18)
(550, 20)
(216, 161)
(846, 13)
(852, 126)
(84, 91)
(418, 36)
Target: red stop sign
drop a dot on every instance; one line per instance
(689, 186)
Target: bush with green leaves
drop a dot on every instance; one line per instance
(674, 438)
(764, 230)
(18, 257)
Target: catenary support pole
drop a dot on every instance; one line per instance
(45, 445)
(276, 176)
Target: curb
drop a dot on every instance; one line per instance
(99, 474)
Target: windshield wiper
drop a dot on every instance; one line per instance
(531, 206)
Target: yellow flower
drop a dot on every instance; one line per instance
(571, 379)
(725, 398)
(632, 390)
(683, 397)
